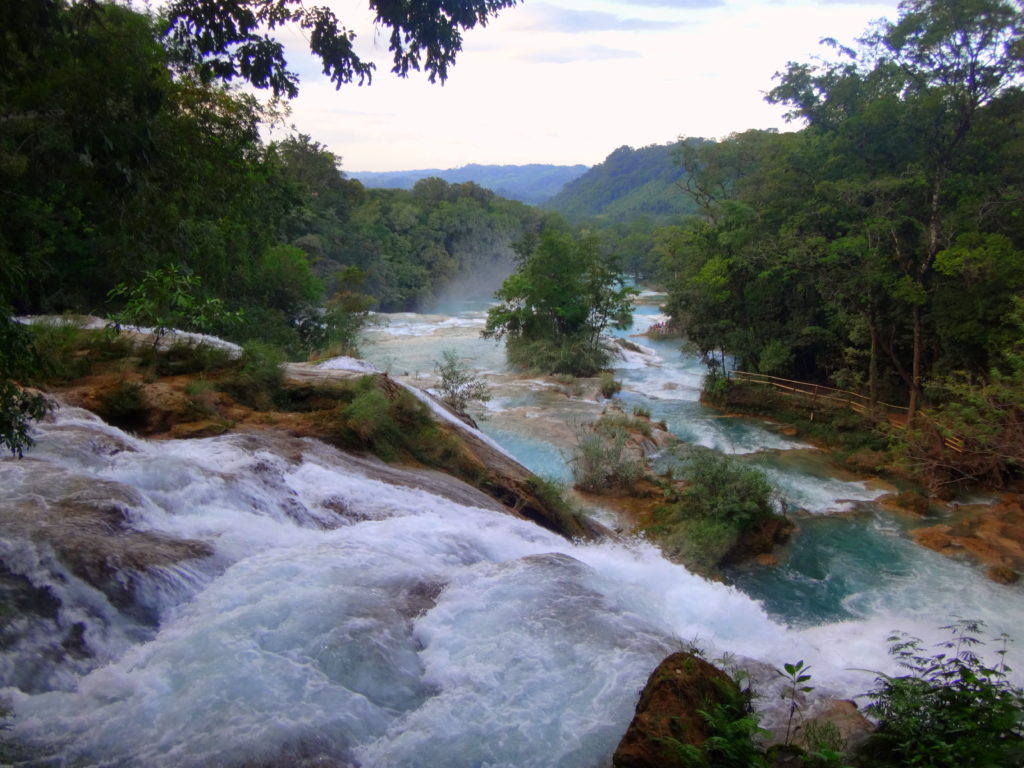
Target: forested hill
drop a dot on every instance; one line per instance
(629, 183)
(531, 184)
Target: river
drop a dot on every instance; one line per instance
(343, 619)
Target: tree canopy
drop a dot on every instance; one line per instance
(555, 307)
(229, 39)
(881, 247)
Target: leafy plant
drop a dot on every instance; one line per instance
(190, 356)
(555, 307)
(17, 409)
(825, 745)
(459, 386)
(552, 495)
(335, 329)
(951, 709)
(796, 677)
(167, 298)
(732, 728)
(18, 360)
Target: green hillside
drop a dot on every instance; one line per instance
(531, 184)
(630, 182)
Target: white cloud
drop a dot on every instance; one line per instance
(531, 87)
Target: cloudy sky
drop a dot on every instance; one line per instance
(568, 81)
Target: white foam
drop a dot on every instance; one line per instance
(352, 364)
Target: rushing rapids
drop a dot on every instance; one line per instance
(262, 600)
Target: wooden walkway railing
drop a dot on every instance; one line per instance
(839, 398)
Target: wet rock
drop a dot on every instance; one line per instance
(992, 534)
(1002, 574)
(667, 712)
(86, 523)
(759, 541)
(194, 429)
(937, 538)
(851, 726)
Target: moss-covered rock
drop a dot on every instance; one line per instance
(668, 715)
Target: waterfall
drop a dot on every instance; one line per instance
(262, 600)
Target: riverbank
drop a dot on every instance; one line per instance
(990, 534)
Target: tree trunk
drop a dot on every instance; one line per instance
(915, 371)
(873, 368)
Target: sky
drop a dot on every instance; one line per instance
(569, 81)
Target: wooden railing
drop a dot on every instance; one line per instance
(842, 398)
(839, 398)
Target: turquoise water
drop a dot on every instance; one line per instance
(831, 566)
(850, 561)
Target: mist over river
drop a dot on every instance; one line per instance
(285, 604)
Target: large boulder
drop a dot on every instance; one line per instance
(668, 712)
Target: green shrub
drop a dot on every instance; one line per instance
(574, 356)
(105, 346)
(368, 418)
(699, 542)
(600, 459)
(191, 356)
(952, 710)
(168, 298)
(259, 380)
(608, 385)
(552, 495)
(715, 388)
(17, 409)
(58, 345)
(641, 412)
(200, 403)
(392, 422)
(336, 328)
(18, 362)
(722, 497)
(459, 386)
(724, 488)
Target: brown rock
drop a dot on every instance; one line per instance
(937, 537)
(204, 428)
(847, 719)
(1002, 574)
(992, 534)
(668, 712)
(987, 551)
(760, 540)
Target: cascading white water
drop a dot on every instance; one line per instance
(330, 610)
(341, 615)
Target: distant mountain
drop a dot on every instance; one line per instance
(531, 184)
(630, 182)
